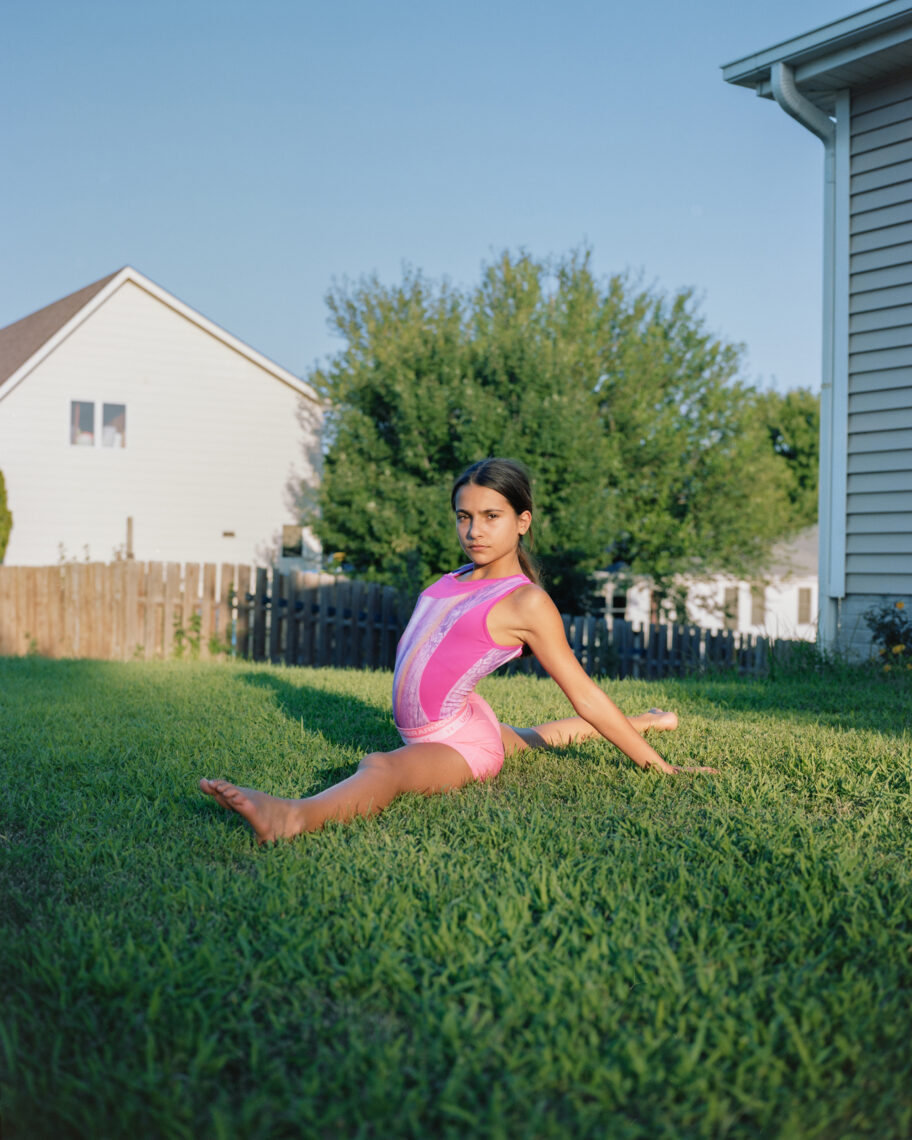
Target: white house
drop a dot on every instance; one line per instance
(781, 605)
(850, 84)
(130, 425)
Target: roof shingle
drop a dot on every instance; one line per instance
(24, 337)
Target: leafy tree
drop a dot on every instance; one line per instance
(6, 518)
(432, 379)
(642, 444)
(698, 489)
(793, 424)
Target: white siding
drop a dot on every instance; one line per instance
(213, 444)
(879, 505)
(855, 632)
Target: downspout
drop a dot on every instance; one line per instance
(830, 575)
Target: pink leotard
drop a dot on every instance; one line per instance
(443, 654)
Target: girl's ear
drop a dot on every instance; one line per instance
(525, 521)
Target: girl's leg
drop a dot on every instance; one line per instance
(571, 730)
(381, 776)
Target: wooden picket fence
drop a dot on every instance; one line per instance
(126, 610)
(614, 648)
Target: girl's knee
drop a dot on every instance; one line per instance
(512, 738)
(376, 762)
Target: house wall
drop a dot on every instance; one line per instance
(214, 444)
(706, 606)
(879, 503)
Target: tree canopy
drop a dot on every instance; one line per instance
(644, 446)
(793, 425)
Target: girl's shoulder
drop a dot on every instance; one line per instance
(525, 613)
(529, 598)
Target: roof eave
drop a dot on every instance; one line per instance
(817, 56)
(128, 273)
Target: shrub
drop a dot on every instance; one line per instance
(891, 629)
(6, 518)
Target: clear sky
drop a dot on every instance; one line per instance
(246, 156)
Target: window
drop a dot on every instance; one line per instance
(114, 425)
(730, 608)
(292, 541)
(758, 605)
(804, 605)
(82, 424)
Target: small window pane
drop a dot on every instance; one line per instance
(292, 541)
(82, 423)
(804, 605)
(114, 425)
(758, 605)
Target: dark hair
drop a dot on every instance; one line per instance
(511, 480)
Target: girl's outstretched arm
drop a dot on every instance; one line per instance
(536, 620)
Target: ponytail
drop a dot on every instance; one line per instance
(527, 561)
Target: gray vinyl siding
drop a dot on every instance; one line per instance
(879, 503)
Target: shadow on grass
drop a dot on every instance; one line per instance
(343, 720)
(850, 698)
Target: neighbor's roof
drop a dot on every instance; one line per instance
(22, 339)
(27, 342)
(797, 557)
(868, 47)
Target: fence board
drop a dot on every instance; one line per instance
(242, 622)
(132, 620)
(277, 613)
(258, 650)
(188, 606)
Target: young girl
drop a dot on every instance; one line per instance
(464, 626)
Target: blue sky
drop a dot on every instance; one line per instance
(246, 157)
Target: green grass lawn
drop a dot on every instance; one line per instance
(576, 949)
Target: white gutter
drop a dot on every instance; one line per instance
(790, 99)
(834, 380)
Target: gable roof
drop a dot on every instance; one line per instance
(23, 338)
(871, 46)
(26, 342)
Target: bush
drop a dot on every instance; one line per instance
(891, 628)
(6, 518)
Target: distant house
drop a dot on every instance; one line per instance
(781, 605)
(130, 425)
(850, 83)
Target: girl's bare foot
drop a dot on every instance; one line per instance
(659, 720)
(270, 817)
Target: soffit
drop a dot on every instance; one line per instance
(863, 50)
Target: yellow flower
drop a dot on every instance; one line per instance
(887, 668)
(900, 605)
(898, 648)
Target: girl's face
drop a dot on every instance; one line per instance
(489, 528)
